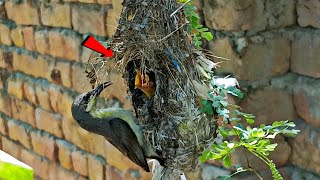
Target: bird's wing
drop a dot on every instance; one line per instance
(124, 139)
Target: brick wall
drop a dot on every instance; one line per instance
(273, 47)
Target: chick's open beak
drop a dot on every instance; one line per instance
(143, 82)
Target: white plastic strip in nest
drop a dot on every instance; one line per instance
(227, 82)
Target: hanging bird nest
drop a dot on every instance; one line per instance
(151, 40)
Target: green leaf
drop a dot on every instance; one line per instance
(226, 161)
(216, 104)
(207, 35)
(250, 121)
(224, 177)
(224, 103)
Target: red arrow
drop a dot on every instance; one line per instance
(91, 43)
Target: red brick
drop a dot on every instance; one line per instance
(87, 1)
(64, 69)
(80, 162)
(26, 64)
(117, 8)
(8, 60)
(64, 45)
(29, 39)
(64, 174)
(5, 36)
(65, 150)
(11, 147)
(44, 68)
(50, 122)
(112, 22)
(57, 172)
(53, 171)
(3, 14)
(117, 159)
(71, 47)
(112, 174)
(131, 174)
(5, 104)
(2, 63)
(56, 14)
(69, 129)
(95, 168)
(3, 126)
(55, 96)
(15, 87)
(91, 142)
(29, 91)
(43, 94)
(42, 41)
(56, 42)
(79, 80)
(87, 54)
(19, 132)
(41, 167)
(104, 2)
(44, 144)
(144, 174)
(64, 107)
(17, 37)
(27, 157)
(38, 163)
(22, 13)
(89, 21)
(24, 111)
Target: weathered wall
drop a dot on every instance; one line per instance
(273, 47)
(274, 51)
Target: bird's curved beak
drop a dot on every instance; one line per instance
(96, 92)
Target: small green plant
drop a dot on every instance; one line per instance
(195, 29)
(257, 139)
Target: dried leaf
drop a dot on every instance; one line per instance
(201, 90)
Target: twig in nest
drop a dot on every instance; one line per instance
(171, 33)
(183, 5)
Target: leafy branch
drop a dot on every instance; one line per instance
(256, 140)
(195, 28)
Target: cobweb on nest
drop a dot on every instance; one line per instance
(149, 39)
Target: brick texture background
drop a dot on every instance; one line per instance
(273, 47)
